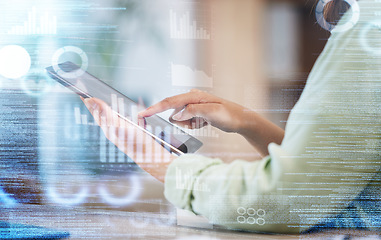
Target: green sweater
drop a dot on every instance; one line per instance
(330, 152)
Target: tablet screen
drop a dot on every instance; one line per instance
(86, 85)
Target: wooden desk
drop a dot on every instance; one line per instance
(108, 224)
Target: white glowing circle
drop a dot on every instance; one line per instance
(14, 61)
(319, 12)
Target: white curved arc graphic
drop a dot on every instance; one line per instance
(366, 36)
(57, 198)
(127, 199)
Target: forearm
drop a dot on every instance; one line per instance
(259, 131)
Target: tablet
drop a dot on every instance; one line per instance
(86, 85)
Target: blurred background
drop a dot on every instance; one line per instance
(257, 53)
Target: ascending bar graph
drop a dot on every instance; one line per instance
(183, 28)
(188, 181)
(37, 24)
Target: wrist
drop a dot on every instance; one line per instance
(248, 123)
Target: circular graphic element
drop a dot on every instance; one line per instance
(319, 12)
(251, 220)
(261, 221)
(261, 212)
(241, 211)
(368, 40)
(14, 61)
(128, 199)
(241, 219)
(36, 83)
(73, 74)
(79, 198)
(251, 211)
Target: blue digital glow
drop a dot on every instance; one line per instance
(6, 199)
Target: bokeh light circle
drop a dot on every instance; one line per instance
(319, 12)
(15, 61)
(72, 49)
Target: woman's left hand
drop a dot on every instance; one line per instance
(129, 138)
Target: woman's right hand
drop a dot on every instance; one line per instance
(197, 108)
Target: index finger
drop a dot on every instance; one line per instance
(179, 101)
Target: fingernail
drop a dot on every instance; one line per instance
(177, 116)
(143, 113)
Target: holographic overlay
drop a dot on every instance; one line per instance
(36, 83)
(370, 37)
(72, 49)
(251, 216)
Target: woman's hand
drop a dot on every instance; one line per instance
(196, 109)
(129, 138)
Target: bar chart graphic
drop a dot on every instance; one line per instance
(182, 27)
(81, 119)
(184, 76)
(189, 182)
(36, 24)
(107, 151)
(206, 131)
(126, 138)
